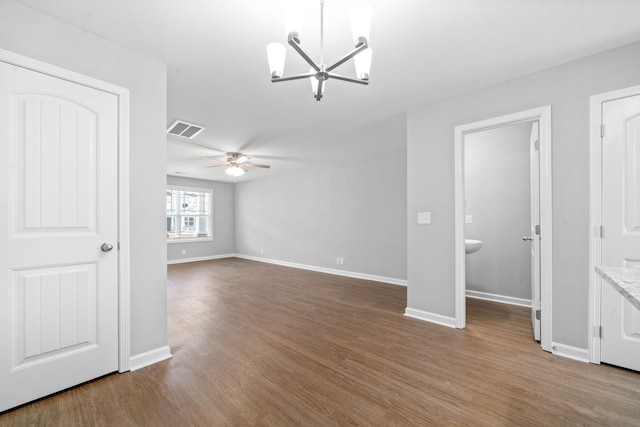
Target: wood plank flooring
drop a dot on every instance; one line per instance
(259, 344)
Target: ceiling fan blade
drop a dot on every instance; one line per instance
(215, 160)
(253, 165)
(214, 166)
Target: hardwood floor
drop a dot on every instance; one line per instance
(259, 344)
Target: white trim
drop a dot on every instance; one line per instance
(124, 274)
(570, 352)
(124, 293)
(523, 302)
(150, 357)
(595, 216)
(543, 116)
(430, 317)
(197, 259)
(364, 276)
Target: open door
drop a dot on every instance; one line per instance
(620, 233)
(535, 228)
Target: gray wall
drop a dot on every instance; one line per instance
(223, 221)
(430, 187)
(355, 209)
(497, 192)
(28, 32)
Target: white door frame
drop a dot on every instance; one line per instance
(124, 350)
(595, 216)
(543, 116)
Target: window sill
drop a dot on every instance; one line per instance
(191, 240)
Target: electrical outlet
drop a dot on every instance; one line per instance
(184, 252)
(261, 250)
(340, 260)
(424, 217)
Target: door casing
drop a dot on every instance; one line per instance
(543, 116)
(595, 215)
(124, 350)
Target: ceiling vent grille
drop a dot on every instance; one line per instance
(184, 129)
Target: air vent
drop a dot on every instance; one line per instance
(184, 129)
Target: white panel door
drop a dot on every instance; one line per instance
(58, 289)
(620, 341)
(534, 168)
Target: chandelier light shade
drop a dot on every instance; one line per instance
(314, 84)
(276, 53)
(293, 12)
(319, 73)
(360, 16)
(363, 64)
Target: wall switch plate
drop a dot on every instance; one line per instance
(340, 261)
(468, 219)
(424, 217)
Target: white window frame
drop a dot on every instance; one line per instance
(178, 216)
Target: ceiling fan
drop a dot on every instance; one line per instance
(236, 163)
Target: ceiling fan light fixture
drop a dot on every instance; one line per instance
(235, 171)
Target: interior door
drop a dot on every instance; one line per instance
(58, 285)
(620, 340)
(534, 149)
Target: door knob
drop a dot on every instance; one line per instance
(106, 247)
(525, 238)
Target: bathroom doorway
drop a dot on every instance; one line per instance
(525, 195)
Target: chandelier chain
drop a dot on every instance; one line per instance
(321, 32)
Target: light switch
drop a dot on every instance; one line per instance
(468, 219)
(424, 217)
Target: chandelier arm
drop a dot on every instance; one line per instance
(348, 56)
(320, 90)
(296, 45)
(297, 77)
(348, 79)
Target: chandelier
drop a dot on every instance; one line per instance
(319, 73)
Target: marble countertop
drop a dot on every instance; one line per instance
(624, 280)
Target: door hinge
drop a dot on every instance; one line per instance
(118, 245)
(597, 331)
(536, 145)
(601, 231)
(537, 229)
(602, 131)
(538, 314)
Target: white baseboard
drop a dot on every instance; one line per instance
(202, 258)
(353, 274)
(570, 352)
(149, 357)
(499, 298)
(430, 317)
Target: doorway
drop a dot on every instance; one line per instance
(541, 235)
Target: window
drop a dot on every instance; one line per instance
(189, 214)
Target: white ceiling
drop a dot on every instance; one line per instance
(424, 51)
